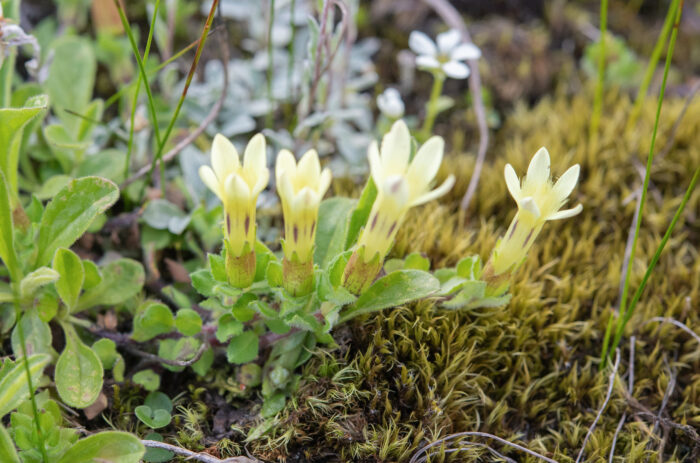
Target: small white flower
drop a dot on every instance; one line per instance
(447, 56)
(390, 104)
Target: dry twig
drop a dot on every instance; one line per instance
(213, 114)
(196, 456)
(630, 388)
(611, 382)
(452, 18)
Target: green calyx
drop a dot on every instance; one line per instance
(359, 273)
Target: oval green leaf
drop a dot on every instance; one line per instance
(78, 375)
(71, 212)
(108, 446)
(72, 276)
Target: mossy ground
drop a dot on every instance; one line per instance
(527, 372)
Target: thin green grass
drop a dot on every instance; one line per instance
(653, 62)
(188, 81)
(626, 312)
(135, 100)
(142, 70)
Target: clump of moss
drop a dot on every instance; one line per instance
(527, 372)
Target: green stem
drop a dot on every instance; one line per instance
(188, 81)
(27, 371)
(431, 113)
(598, 99)
(623, 315)
(651, 67)
(655, 259)
(135, 101)
(271, 21)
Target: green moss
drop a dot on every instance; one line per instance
(527, 372)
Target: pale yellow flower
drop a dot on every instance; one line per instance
(301, 188)
(539, 200)
(238, 187)
(401, 184)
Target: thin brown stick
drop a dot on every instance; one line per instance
(213, 114)
(452, 18)
(201, 457)
(674, 322)
(611, 382)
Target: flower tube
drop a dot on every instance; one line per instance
(539, 200)
(301, 188)
(401, 184)
(238, 187)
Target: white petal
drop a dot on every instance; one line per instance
(465, 51)
(285, 189)
(567, 182)
(425, 165)
(309, 168)
(390, 103)
(285, 164)
(209, 178)
(427, 62)
(255, 155)
(528, 204)
(375, 163)
(261, 182)
(396, 149)
(456, 70)
(512, 182)
(566, 213)
(224, 157)
(448, 40)
(538, 170)
(421, 44)
(436, 193)
(237, 189)
(324, 182)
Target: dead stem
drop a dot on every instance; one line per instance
(202, 457)
(213, 114)
(630, 388)
(611, 382)
(452, 18)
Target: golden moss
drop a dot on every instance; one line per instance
(527, 372)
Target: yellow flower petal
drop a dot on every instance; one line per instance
(566, 213)
(396, 149)
(512, 182)
(566, 183)
(224, 157)
(538, 170)
(436, 193)
(425, 165)
(209, 178)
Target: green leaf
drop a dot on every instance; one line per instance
(182, 349)
(72, 276)
(70, 213)
(394, 289)
(360, 215)
(148, 379)
(106, 351)
(52, 186)
(71, 79)
(35, 280)
(107, 446)
(121, 279)
(242, 310)
(227, 327)
(78, 374)
(332, 229)
(108, 164)
(150, 321)
(93, 277)
(12, 124)
(164, 215)
(37, 335)
(416, 261)
(155, 455)
(13, 381)
(469, 291)
(188, 322)
(7, 233)
(243, 348)
(8, 453)
(218, 267)
(273, 404)
(154, 419)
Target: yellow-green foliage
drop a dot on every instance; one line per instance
(527, 372)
